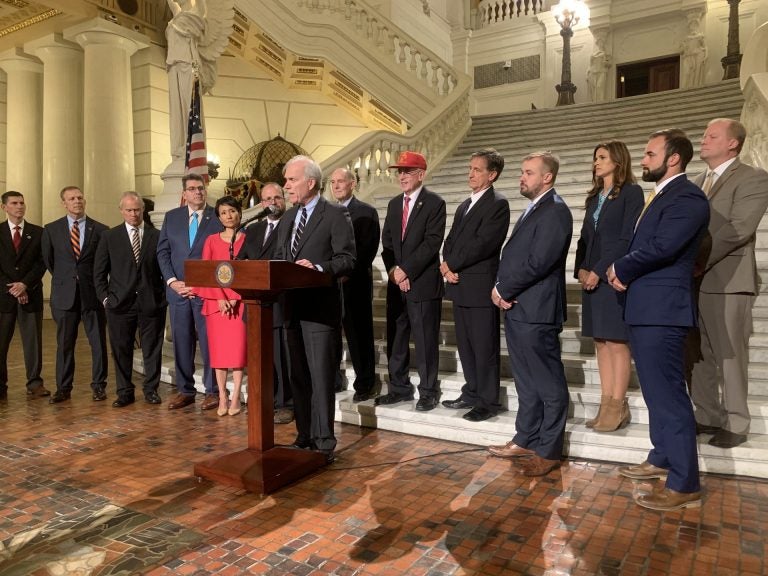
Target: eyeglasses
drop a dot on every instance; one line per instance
(408, 171)
(195, 189)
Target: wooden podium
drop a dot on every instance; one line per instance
(262, 467)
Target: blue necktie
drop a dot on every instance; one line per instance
(299, 231)
(193, 229)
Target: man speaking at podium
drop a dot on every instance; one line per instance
(318, 235)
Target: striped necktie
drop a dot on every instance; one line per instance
(708, 182)
(299, 232)
(404, 223)
(74, 239)
(135, 244)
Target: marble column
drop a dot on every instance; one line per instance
(63, 118)
(24, 128)
(108, 152)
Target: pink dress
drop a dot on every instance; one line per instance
(226, 334)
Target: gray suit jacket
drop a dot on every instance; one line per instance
(737, 202)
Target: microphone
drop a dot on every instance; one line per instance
(266, 212)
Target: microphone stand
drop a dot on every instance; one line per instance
(266, 212)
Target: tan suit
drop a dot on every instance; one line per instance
(738, 199)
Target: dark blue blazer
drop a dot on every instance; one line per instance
(173, 245)
(600, 247)
(532, 267)
(70, 277)
(658, 269)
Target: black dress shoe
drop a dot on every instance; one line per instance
(362, 396)
(704, 429)
(152, 398)
(99, 394)
(302, 443)
(391, 399)
(478, 414)
(59, 396)
(123, 402)
(329, 456)
(426, 403)
(725, 439)
(457, 404)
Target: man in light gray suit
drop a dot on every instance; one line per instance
(726, 269)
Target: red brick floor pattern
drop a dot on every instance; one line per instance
(392, 504)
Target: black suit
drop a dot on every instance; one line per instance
(73, 298)
(25, 266)
(418, 310)
(472, 251)
(357, 292)
(313, 318)
(256, 248)
(532, 275)
(134, 298)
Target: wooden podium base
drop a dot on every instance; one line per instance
(261, 472)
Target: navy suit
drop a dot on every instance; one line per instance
(532, 275)
(186, 314)
(418, 310)
(255, 248)
(25, 266)
(313, 318)
(133, 295)
(472, 251)
(357, 295)
(660, 309)
(73, 298)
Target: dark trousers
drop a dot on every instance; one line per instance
(537, 367)
(31, 330)
(479, 341)
(422, 320)
(282, 386)
(67, 324)
(312, 354)
(659, 353)
(187, 329)
(358, 329)
(122, 333)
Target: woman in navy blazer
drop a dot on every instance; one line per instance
(612, 208)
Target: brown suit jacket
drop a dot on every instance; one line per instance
(737, 202)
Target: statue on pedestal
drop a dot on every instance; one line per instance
(693, 52)
(197, 34)
(599, 64)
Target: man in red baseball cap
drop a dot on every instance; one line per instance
(411, 239)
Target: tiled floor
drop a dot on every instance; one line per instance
(90, 489)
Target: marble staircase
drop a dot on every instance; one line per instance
(571, 132)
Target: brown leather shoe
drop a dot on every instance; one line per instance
(538, 466)
(510, 450)
(211, 401)
(39, 392)
(667, 500)
(644, 471)
(180, 401)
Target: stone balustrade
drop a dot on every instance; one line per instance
(491, 12)
(390, 42)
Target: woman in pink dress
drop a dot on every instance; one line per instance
(223, 309)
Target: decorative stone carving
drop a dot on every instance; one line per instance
(693, 52)
(599, 64)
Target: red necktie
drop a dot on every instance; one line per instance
(404, 223)
(17, 237)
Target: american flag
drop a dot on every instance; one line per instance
(196, 160)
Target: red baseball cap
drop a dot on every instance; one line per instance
(410, 159)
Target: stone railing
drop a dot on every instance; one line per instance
(392, 43)
(754, 84)
(490, 12)
(435, 137)
(406, 76)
